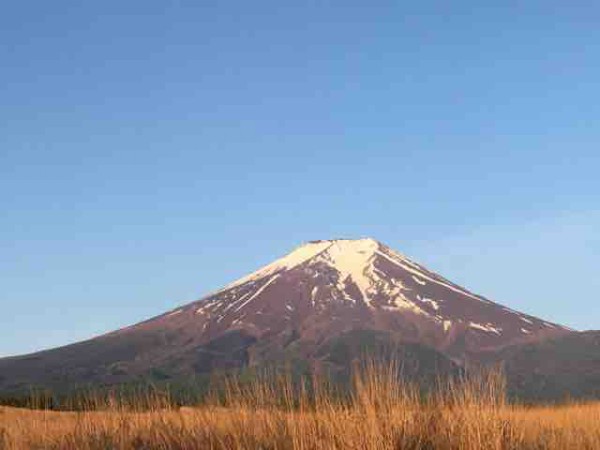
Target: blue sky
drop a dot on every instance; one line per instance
(153, 151)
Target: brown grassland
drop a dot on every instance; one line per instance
(380, 413)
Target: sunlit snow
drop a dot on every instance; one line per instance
(487, 328)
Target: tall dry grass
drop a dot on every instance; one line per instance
(276, 412)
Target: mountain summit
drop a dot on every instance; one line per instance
(297, 305)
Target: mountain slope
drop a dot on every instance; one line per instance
(293, 306)
(556, 369)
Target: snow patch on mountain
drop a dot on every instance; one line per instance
(487, 327)
(258, 292)
(419, 281)
(289, 261)
(352, 260)
(435, 305)
(410, 267)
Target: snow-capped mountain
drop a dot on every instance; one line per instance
(296, 307)
(327, 287)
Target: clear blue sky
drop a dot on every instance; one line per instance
(151, 151)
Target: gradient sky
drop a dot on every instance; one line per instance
(151, 151)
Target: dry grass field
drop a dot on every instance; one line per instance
(381, 413)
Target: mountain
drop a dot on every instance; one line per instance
(313, 304)
(555, 369)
